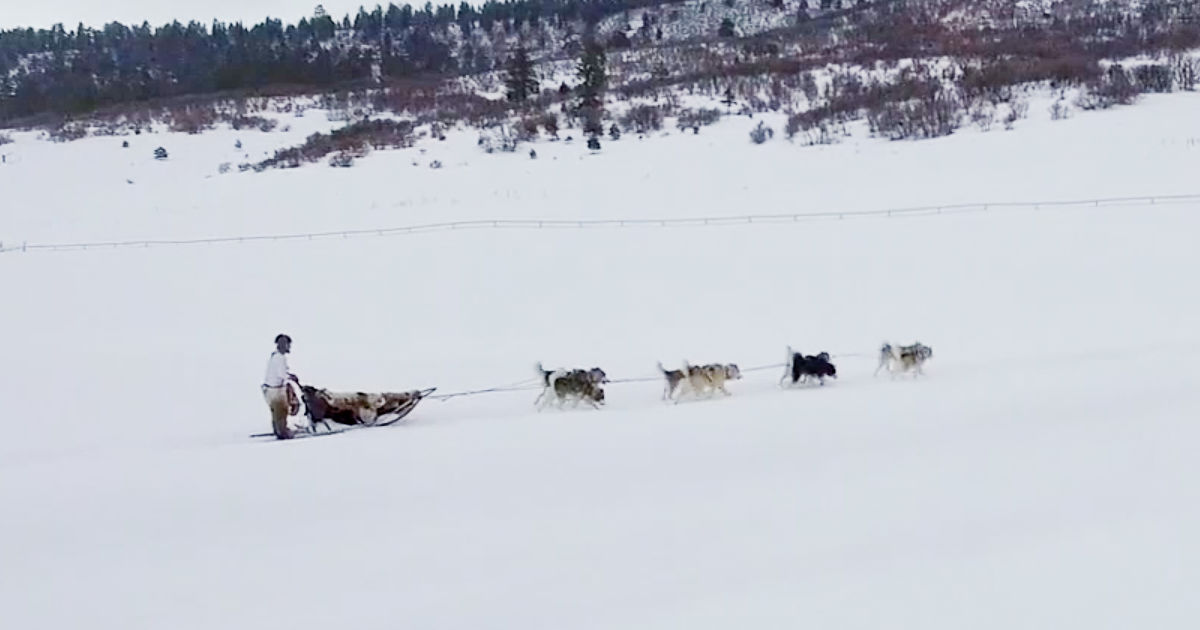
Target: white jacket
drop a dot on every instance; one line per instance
(277, 370)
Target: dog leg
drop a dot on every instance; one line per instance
(787, 367)
(547, 400)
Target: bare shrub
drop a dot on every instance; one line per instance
(936, 116)
(549, 123)
(643, 119)
(1115, 87)
(527, 129)
(1185, 69)
(761, 133)
(816, 126)
(694, 119)
(191, 119)
(342, 159)
(68, 132)
(354, 139)
(5, 139)
(1154, 78)
(1059, 110)
(813, 131)
(260, 123)
(498, 138)
(994, 78)
(808, 84)
(1017, 109)
(983, 115)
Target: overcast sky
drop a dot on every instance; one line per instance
(96, 13)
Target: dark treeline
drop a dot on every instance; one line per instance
(63, 72)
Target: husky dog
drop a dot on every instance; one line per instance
(708, 379)
(576, 385)
(674, 378)
(800, 368)
(904, 358)
(595, 375)
(719, 374)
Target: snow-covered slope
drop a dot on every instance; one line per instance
(1041, 476)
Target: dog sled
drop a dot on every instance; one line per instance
(351, 410)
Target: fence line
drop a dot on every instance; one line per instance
(712, 221)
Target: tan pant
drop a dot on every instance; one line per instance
(277, 401)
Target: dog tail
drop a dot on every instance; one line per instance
(543, 373)
(661, 368)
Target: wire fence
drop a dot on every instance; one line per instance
(526, 224)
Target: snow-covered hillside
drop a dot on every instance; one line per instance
(1040, 476)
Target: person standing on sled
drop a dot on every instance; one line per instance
(275, 388)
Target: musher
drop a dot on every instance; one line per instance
(275, 388)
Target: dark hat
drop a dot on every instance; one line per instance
(281, 338)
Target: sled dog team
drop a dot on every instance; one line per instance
(587, 385)
(558, 386)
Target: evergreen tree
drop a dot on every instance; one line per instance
(593, 75)
(593, 78)
(521, 81)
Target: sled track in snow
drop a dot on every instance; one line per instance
(711, 221)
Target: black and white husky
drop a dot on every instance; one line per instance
(562, 384)
(903, 358)
(799, 368)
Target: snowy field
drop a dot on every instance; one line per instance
(1042, 475)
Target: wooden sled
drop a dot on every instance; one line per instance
(354, 410)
